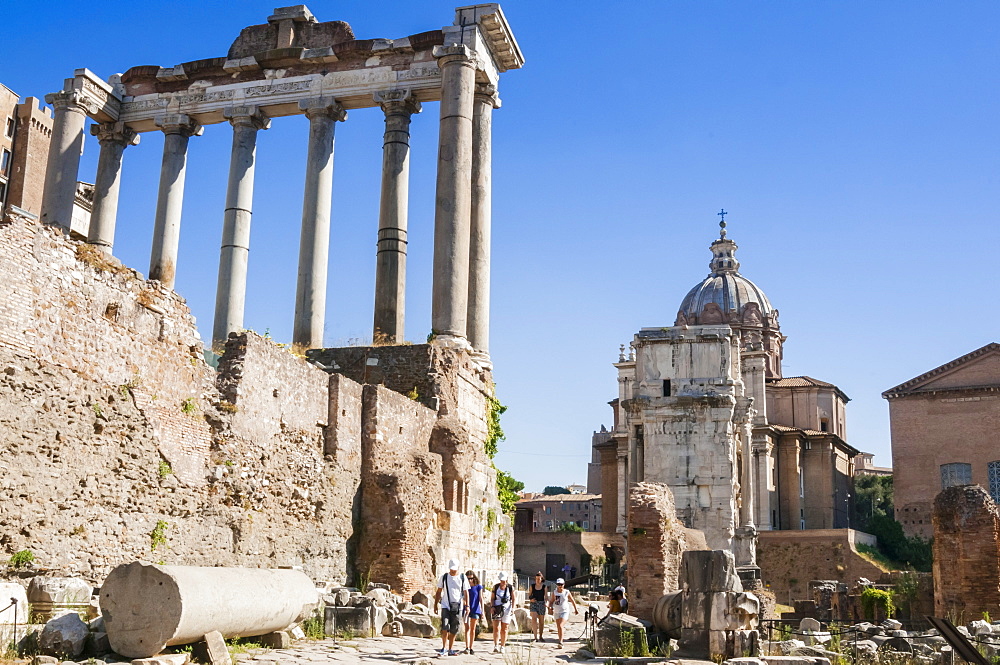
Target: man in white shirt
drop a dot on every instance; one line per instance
(455, 589)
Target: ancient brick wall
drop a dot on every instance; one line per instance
(120, 442)
(400, 490)
(656, 540)
(88, 490)
(68, 305)
(789, 560)
(966, 553)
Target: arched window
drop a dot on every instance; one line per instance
(956, 473)
(993, 473)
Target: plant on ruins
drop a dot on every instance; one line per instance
(905, 593)
(164, 469)
(99, 261)
(502, 547)
(98, 411)
(313, 626)
(876, 604)
(494, 432)
(491, 520)
(665, 649)
(21, 559)
(413, 394)
(158, 536)
(626, 644)
(189, 406)
(228, 407)
(507, 491)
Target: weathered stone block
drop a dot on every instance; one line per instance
(709, 571)
(416, 625)
(277, 640)
(64, 636)
(19, 610)
(354, 619)
(212, 649)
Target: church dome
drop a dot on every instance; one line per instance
(726, 296)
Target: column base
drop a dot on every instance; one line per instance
(453, 342)
(482, 358)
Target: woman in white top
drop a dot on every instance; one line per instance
(559, 601)
(501, 611)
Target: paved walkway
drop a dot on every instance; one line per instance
(520, 650)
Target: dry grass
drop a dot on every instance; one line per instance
(146, 297)
(100, 261)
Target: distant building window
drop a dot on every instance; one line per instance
(993, 469)
(10, 127)
(586, 525)
(548, 510)
(4, 162)
(824, 425)
(548, 525)
(956, 473)
(666, 387)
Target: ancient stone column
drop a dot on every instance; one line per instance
(478, 326)
(762, 466)
(114, 137)
(453, 206)
(177, 129)
(65, 150)
(390, 260)
(148, 607)
(314, 244)
(230, 297)
(623, 488)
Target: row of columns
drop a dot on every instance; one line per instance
(460, 298)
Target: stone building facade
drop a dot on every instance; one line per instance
(24, 144)
(549, 513)
(943, 426)
(703, 408)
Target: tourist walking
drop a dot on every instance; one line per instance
(501, 611)
(536, 598)
(559, 601)
(474, 611)
(455, 589)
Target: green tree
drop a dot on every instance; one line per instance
(552, 490)
(570, 527)
(874, 513)
(872, 498)
(508, 490)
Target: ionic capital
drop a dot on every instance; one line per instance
(397, 101)
(487, 93)
(71, 100)
(455, 53)
(178, 123)
(115, 132)
(319, 107)
(246, 116)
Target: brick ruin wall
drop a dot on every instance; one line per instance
(121, 443)
(966, 553)
(655, 543)
(449, 384)
(789, 560)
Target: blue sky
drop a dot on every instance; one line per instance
(854, 144)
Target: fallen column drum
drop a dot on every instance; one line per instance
(148, 607)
